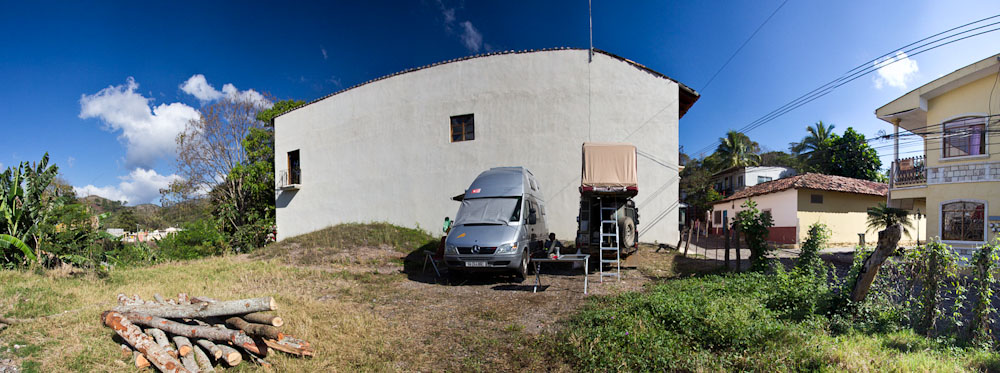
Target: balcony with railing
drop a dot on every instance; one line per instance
(910, 172)
(288, 179)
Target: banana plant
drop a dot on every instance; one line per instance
(24, 206)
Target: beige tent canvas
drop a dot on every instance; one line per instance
(609, 165)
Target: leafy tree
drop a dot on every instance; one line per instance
(851, 156)
(737, 150)
(696, 188)
(25, 207)
(819, 134)
(780, 159)
(881, 217)
(755, 227)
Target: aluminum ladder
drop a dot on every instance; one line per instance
(609, 240)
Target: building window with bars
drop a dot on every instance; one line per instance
(963, 221)
(463, 128)
(964, 137)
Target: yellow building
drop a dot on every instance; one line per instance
(797, 202)
(958, 176)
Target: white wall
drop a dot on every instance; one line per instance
(773, 172)
(783, 205)
(382, 151)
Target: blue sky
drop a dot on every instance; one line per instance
(99, 86)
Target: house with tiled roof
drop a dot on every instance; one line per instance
(797, 202)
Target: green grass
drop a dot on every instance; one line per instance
(734, 323)
(358, 235)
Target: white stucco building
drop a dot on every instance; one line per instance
(397, 148)
(735, 179)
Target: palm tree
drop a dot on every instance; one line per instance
(881, 217)
(818, 134)
(737, 150)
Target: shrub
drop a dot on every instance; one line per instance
(755, 227)
(935, 266)
(984, 263)
(198, 239)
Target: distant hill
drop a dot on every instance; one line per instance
(147, 216)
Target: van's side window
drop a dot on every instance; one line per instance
(516, 216)
(532, 208)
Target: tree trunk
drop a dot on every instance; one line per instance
(238, 338)
(264, 318)
(142, 342)
(260, 330)
(204, 363)
(202, 310)
(291, 345)
(887, 242)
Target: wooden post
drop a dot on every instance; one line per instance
(687, 243)
(736, 232)
(725, 234)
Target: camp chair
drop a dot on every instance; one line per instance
(434, 257)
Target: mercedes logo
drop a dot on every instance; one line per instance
(475, 249)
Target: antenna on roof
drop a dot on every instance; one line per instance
(590, 15)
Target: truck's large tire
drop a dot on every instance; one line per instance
(627, 233)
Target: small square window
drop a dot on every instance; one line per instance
(763, 179)
(463, 128)
(816, 198)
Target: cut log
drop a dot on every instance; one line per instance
(183, 345)
(236, 337)
(259, 330)
(212, 349)
(264, 318)
(142, 342)
(290, 345)
(159, 298)
(140, 360)
(260, 361)
(162, 340)
(230, 356)
(189, 363)
(202, 300)
(182, 298)
(204, 363)
(126, 350)
(887, 243)
(202, 310)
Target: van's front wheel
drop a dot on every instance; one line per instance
(522, 269)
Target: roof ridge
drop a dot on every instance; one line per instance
(658, 74)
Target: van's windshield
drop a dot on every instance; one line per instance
(489, 211)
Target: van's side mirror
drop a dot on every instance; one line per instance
(532, 218)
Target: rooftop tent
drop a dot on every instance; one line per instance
(609, 165)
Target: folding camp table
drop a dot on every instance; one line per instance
(567, 258)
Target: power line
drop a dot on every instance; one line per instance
(862, 70)
(710, 80)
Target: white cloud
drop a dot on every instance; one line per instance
(198, 87)
(895, 71)
(140, 186)
(471, 37)
(449, 15)
(148, 132)
(321, 49)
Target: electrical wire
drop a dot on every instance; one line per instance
(710, 80)
(863, 70)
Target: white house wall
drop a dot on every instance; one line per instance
(382, 151)
(783, 206)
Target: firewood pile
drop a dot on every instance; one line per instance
(189, 334)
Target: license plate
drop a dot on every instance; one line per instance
(475, 264)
